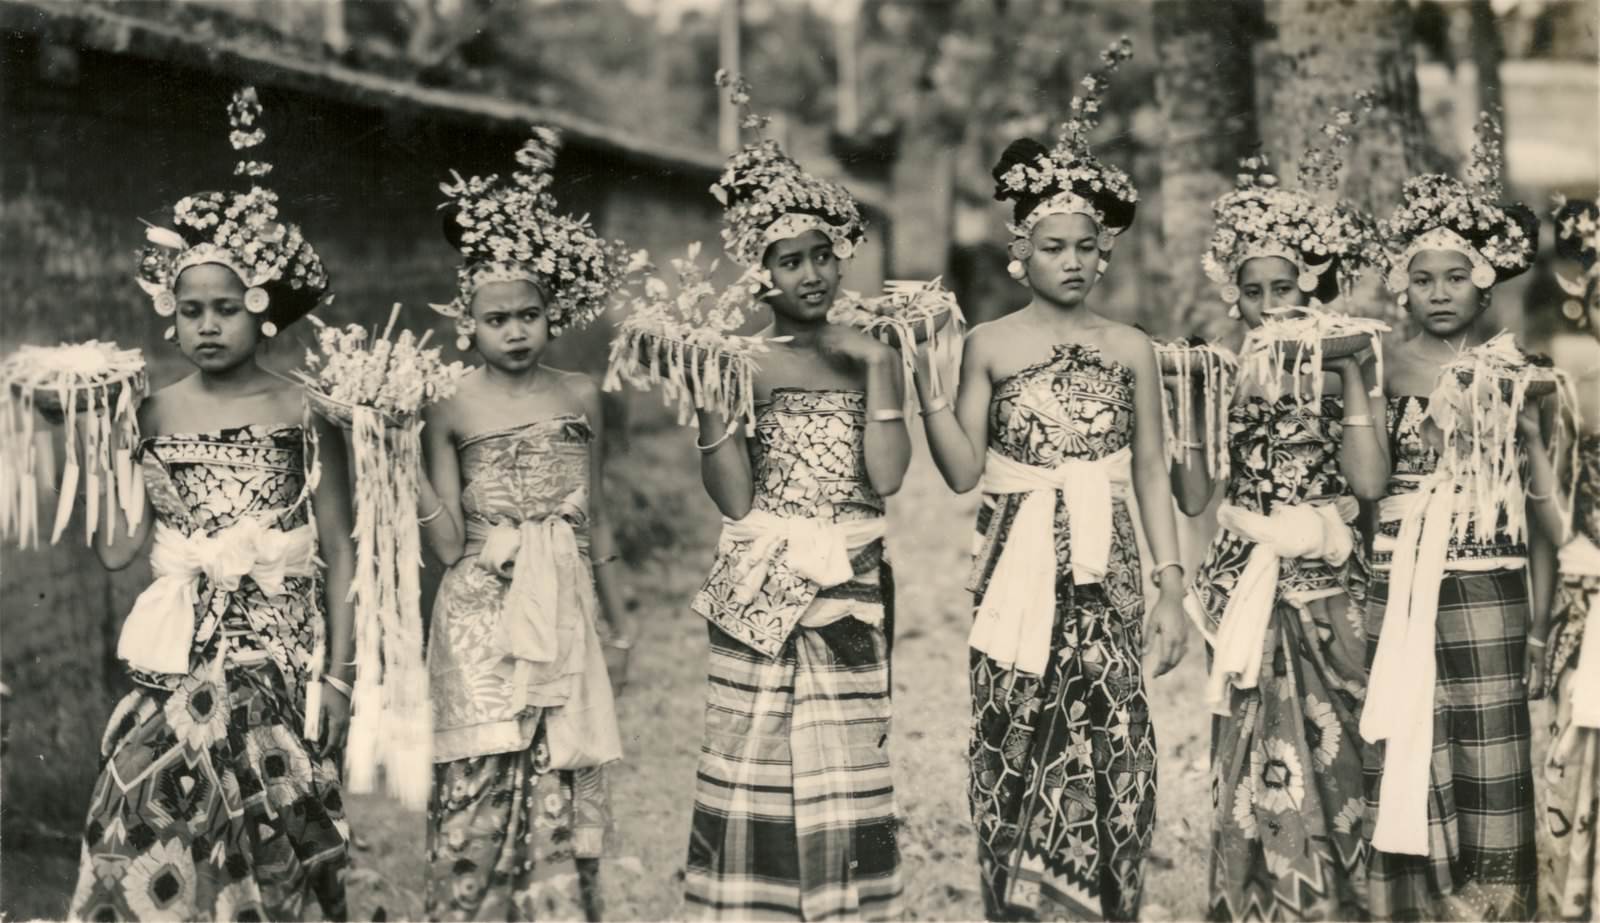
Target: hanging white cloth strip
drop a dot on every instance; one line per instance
(1013, 623)
(1581, 558)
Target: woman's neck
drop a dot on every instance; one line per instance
(800, 333)
(1065, 321)
(240, 380)
(1445, 348)
(526, 381)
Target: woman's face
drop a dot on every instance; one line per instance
(511, 329)
(805, 274)
(1440, 295)
(1266, 284)
(215, 332)
(1065, 262)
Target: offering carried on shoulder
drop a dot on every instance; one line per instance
(1475, 405)
(94, 388)
(1295, 342)
(908, 314)
(685, 342)
(375, 387)
(1215, 369)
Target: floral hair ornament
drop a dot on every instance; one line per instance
(514, 232)
(1578, 239)
(1328, 242)
(1442, 213)
(1068, 179)
(768, 197)
(283, 276)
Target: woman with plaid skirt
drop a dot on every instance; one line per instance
(794, 814)
(1449, 784)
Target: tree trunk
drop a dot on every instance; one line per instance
(1324, 52)
(1207, 95)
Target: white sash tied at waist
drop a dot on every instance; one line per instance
(1318, 531)
(816, 549)
(1400, 689)
(1013, 624)
(159, 632)
(1581, 558)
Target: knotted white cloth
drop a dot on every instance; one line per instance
(1013, 624)
(159, 631)
(1581, 558)
(816, 549)
(1318, 531)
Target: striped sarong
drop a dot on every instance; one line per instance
(794, 815)
(1481, 863)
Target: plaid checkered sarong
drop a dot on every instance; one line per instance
(1481, 861)
(794, 812)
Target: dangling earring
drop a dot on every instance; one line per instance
(171, 335)
(1015, 270)
(269, 329)
(1402, 300)
(1233, 311)
(464, 328)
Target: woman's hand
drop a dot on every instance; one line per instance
(1533, 673)
(1529, 425)
(1343, 366)
(618, 653)
(849, 345)
(335, 719)
(1168, 635)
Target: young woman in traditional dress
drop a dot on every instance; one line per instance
(514, 505)
(1058, 412)
(1451, 611)
(211, 803)
(794, 813)
(1279, 595)
(1569, 870)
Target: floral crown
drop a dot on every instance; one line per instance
(1068, 179)
(1578, 239)
(513, 232)
(768, 197)
(1442, 213)
(283, 275)
(1328, 242)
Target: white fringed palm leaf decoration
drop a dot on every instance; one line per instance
(907, 314)
(1296, 341)
(375, 388)
(94, 388)
(1217, 369)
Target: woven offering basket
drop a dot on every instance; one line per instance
(1332, 348)
(340, 413)
(1172, 362)
(1538, 388)
(105, 393)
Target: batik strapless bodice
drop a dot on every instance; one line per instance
(205, 482)
(1284, 451)
(1075, 404)
(524, 472)
(1413, 456)
(808, 456)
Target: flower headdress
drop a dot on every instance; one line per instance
(1442, 213)
(1068, 179)
(768, 197)
(283, 275)
(1578, 239)
(513, 232)
(1326, 241)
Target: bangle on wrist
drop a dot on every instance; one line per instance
(886, 415)
(604, 560)
(621, 643)
(1155, 572)
(437, 511)
(708, 448)
(1537, 642)
(1539, 498)
(937, 404)
(339, 686)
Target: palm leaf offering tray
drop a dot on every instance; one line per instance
(1294, 343)
(907, 314)
(1475, 405)
(1216, 369)
(94, 388)
(375, 387)
(685, 343)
